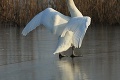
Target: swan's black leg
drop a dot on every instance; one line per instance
(61, 55)
(73, 53)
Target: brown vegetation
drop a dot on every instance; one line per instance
(21, 11)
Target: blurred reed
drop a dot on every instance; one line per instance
(21, 11)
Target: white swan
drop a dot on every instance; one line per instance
(71, 30)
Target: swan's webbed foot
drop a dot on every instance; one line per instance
(62, 55)
(74, 55)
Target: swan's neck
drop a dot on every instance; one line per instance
(73, 9)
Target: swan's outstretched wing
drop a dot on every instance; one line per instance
(36, 21)
(64, 43)
(50, 18)
(78, 26)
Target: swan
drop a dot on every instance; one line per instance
(69, 29)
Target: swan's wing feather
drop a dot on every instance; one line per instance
(50, 18)
(80, 32)
(71, 26)
(36, 21)
(79, 35)
(78, 26)
(64, 43)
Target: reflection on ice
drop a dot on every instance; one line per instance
(70, 70)
(66, 69)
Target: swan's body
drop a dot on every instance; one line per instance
(71, 30)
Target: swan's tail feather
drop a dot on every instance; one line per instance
(64, 43)
(35, 22)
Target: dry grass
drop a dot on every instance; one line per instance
(21, 11)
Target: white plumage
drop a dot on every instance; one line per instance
(50, 18)
(71, 30)
(64, 43)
